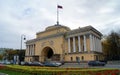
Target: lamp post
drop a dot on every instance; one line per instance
(23, 37)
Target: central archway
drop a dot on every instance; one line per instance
(47, 53)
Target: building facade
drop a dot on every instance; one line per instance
(60, 43)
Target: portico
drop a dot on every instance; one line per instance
(94, 43)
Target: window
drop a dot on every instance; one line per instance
(71, 58)
(77, 58)
(82, 57)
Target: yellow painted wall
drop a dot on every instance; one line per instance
(50, 32)
(87, 57)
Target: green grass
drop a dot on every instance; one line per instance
(13, 72)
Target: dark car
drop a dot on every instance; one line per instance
(26, 63)
(33, 64)
(51, 64)
(36, 64)
(105, 61)
(96, 63)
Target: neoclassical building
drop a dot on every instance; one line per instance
(60, 43)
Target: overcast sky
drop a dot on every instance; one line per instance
(27, 17)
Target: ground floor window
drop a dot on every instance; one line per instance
(71, 58)
(82, 58)
(78, 59)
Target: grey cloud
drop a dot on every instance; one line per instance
(28, 17)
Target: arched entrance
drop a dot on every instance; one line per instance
(47, 54)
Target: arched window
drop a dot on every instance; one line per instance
(77, 58)
(71, 58)
(82, 57)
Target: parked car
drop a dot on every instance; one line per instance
(105, 61)
(33, 64)
(26, 63)
(62, 62)
(51, 64)
(56, 62)
(96, 63)
(5, 62)
(36, 64)
(1, 62)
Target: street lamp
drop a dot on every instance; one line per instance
(23, 37)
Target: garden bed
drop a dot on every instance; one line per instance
(33, 70)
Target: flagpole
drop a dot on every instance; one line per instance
(58, 7)
(57, 16)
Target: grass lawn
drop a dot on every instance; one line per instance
(13, 72)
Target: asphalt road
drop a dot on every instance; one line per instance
(84, 65)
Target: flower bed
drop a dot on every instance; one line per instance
(32, 70)
(2, 66)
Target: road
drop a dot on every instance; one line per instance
(84, 65)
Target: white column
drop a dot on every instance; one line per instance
(69, 49)
(91, 45)
(74, 49)
(100, 46)
(29, 50)
(79, 45)
(34, 49)
(85, 43)
(95, 43)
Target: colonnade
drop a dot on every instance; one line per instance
(30, 49)
(94, 43)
